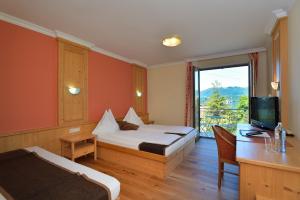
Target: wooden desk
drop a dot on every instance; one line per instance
(268, 174)
(77, 145)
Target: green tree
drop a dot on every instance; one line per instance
(218, 110)
(216, 103)
(243, 106)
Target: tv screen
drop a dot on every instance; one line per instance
(264, 112)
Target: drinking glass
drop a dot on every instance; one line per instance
(268, 144)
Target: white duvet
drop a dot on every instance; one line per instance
(133, 138)
(167, 128)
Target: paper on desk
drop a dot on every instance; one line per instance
(264, 134)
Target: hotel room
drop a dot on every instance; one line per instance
(117, 100)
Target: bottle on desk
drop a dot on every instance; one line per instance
(283, 140)
(277, 133)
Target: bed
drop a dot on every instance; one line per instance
(123, 148)
(110, 184)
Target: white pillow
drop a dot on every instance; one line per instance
(105, 125)
(133, 118)
(113, 120)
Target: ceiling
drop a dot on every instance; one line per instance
(134, 28)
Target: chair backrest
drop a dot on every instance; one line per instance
(226, 143)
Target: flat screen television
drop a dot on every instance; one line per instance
(264, 112)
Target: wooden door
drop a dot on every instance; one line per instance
(280, 67)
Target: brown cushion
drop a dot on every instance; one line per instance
(127, 126)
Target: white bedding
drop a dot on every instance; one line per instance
(167, 128)
(132, 139)
(110, 182)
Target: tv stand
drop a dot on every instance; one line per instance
(260, 126)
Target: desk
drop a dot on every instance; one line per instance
(270, 175)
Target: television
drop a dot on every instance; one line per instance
(264, 112)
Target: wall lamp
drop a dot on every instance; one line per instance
(138, 93)
(275, 85)
(74, 90)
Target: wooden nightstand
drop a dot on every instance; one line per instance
(149, 122)
(77, 145)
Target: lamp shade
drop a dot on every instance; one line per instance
(74, 90)
(275, 85)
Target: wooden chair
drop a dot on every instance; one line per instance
(226, 143)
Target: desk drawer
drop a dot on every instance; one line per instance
(270, 183)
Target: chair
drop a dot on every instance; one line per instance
(226, 143)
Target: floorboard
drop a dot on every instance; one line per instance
(194, 179)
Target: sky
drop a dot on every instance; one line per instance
(235, 76)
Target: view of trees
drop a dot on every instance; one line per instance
(220, 109)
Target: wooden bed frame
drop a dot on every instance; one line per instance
(149, 163)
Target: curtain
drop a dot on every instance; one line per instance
(189, 105)
(254, 71)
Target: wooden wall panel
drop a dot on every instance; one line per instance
(280, 66)
(139, 84)
(45, 138)
(73, 65)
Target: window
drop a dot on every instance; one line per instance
(221, 98)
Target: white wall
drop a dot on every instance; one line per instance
(166, 94)
(294, 67)
(166, 90)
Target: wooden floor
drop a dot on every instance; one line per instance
(194, 179)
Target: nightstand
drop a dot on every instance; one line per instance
(149, 122)
(77, 145)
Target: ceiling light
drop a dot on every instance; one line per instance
(172, 41)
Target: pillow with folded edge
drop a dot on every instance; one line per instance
(132, 117)
(113, 120)
(105, 125)
(126, 126)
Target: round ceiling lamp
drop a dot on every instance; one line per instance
(172, 41)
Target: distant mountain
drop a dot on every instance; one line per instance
(225, 91)
(233, 94)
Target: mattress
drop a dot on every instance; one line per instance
(110, 182)
(131, 139)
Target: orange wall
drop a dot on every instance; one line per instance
(110, 86)
(28, 81)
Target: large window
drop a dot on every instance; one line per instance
(221, 98)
